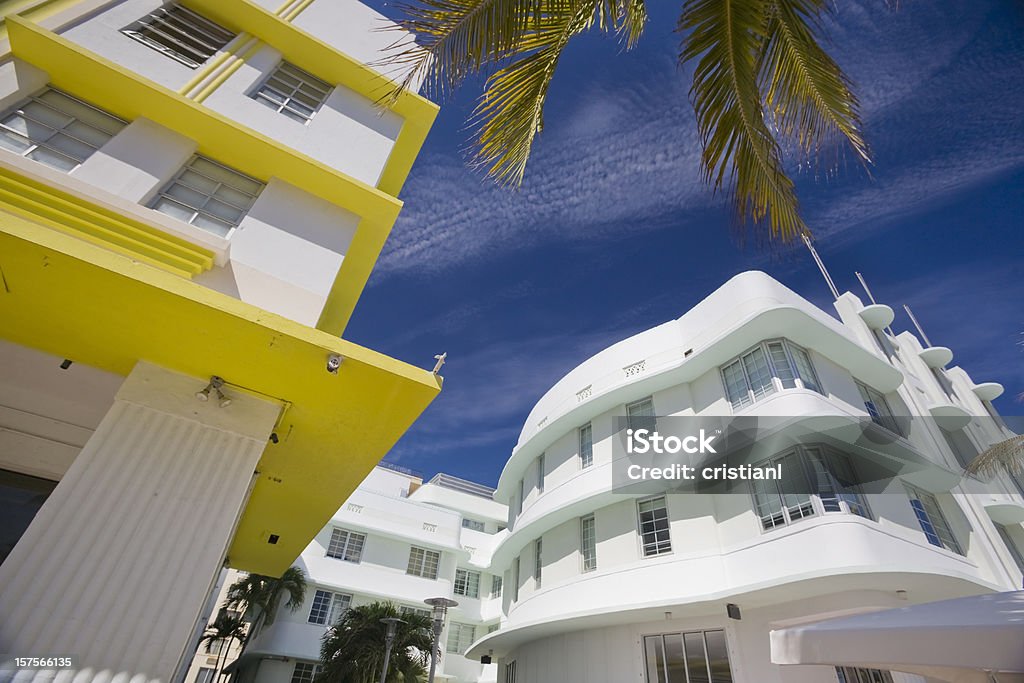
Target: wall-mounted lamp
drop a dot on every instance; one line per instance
(733, 610)
(215, 386)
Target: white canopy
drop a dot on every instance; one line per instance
(955, 640)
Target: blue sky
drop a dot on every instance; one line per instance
(613, 232)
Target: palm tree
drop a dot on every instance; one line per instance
(352, 650)
(224, 629)
(762, 82)
(258, 597)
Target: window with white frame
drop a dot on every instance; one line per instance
(815, 480)
(540, 473)
(640, 414)
(295, 93)
(586, 434)
(495, 586)
(688, 657)
(510, 672)
(1011, 545)
(538, 562)
(849, 674)
(588, 543)
(460, 637)
(933, 523)
(467, 583)
(878, 408)
(205, 675)
(346, 545)
(655, 538)
(208, 195)
(304, 672)
(768, 367)
(423, 562)
(493, 627)
(327, 607)
(56, 129)
(473, 524)
(180, 33)
(515, 579)
(406, 610)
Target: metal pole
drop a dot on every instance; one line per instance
(917, 325)
(821, 266)
(440, 606)
(389, 640)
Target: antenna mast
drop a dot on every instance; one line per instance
(821, 266)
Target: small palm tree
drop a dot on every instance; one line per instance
(1008, 455)
(762, 83)
(227, 627)
(258, 597)
(352, 650)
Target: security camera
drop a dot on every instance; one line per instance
(333, 363)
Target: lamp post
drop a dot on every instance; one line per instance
(389, 639)
(440, 606)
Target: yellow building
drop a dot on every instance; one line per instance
(192, 197)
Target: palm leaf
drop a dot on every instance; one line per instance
(725, 37)
(809, 97)
(1007, 455)
(510, 112)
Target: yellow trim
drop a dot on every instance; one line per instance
(203, 72)
(295, 11)
(63, 211)
(34, 10)
(313, 55)
(130, 96)
(228, 71)
(77, 300)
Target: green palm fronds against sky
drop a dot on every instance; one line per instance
(762, 84)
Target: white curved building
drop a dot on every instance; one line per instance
(603, 586)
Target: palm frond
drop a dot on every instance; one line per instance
(725, 37)
(1007, 455)
(510, 112)
(810, 99)
(456, 38)
(631, 20)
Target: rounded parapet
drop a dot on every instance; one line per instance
(936, 356)
(950, 416)
(877, 316)
(988, 391)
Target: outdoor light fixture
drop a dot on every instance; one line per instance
(440, 606)
(733, 610)
(215, 386)
(389, 640)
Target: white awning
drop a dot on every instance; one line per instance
(955, 640)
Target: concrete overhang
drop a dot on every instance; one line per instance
(76, 300)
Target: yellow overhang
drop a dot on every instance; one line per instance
(334, 66)
(81, 301)
(126, 94)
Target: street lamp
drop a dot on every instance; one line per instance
(389, 639)
(440, 606)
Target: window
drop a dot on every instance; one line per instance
(540, 473)
(538, 554)
(515, 579)
(654, 528)
(460, 637)
(814, 480)
(878, 408)
(293, 92)
(510, 672)
(204, 675)
(495, 586)
(693, 657)
(849, 674)
(640, 414)
(57, 129)
(768, 367)
(423, 563)
(588, 543)
(328, 607)
(933, 522)
(304, 672)
(474, 524)
(405, 610)
(467, 583)
(208, 196)
(180, 33)
(346, 545)
(586, 446)
(493, 627)
(1015, 552)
